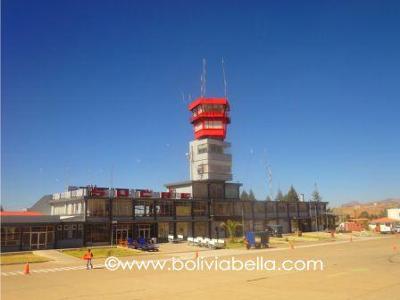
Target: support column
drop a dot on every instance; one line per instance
(252, 215)
(211, 216)
(192, 214)
(174, 202)
(110, 219)
(288, 217)
(85, 210)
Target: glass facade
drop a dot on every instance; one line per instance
(200, 208)
(183, 209)
(69, 231)
(247, 209)
(122, 207)
(98, 207)
(271, 209)
(293, 208)
(210, 148)
(165, 208)
(165, 229)
(259, 226)
(10, 236)
(184, 228)
(282, 209)
(216, 190)
(144, 208)
(223, 208)
(97, 233)
(259, 209)
(303, 209)
(200, 190)
(238, 208)
(231, 191)
(201, 229)
(15, 238)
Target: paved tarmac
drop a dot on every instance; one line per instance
(365, 269)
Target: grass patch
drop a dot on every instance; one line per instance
(21, 258)
(103, 252)
(306, 237)
(236, 244)
(276, 240)
(320, 236)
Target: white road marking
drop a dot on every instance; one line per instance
(73, 268)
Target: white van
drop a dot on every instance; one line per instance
(385, 228)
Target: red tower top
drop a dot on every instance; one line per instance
(210, 117)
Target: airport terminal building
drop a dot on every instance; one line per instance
(91, 215)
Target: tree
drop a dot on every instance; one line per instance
(292, 195)
(251, 195)
(279, 196)
(316, 196)
(231, 227)
(364, 215)
(1, 208)
(244, 195)
(268, 198)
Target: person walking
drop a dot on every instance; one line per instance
(88, 257)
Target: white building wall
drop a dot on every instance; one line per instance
(184, 189)
(67, 209)
(393, 213)
(209, 159)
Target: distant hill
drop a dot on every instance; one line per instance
(42, 205)
(373, 208)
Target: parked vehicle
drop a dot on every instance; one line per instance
(258, 239)
(396, 228)
(142, 244)
(275, 230)
(385, 228)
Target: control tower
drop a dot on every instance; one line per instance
(209, 154)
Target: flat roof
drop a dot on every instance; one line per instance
(190, 182)
(202, 100)
(384, 220)
(19, 213)
(179, 183)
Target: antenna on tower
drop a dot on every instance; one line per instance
(224, 76)
(112, 177)
(203, 79)
(183, 97)
(269, 171)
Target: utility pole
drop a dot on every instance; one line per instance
(243, 218)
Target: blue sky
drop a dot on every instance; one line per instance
(94, 86)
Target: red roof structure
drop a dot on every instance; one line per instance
(20, 213)
(383, 220)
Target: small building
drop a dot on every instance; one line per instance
(353, 225)
(393, 213)
(383, 224)
(22, 231)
